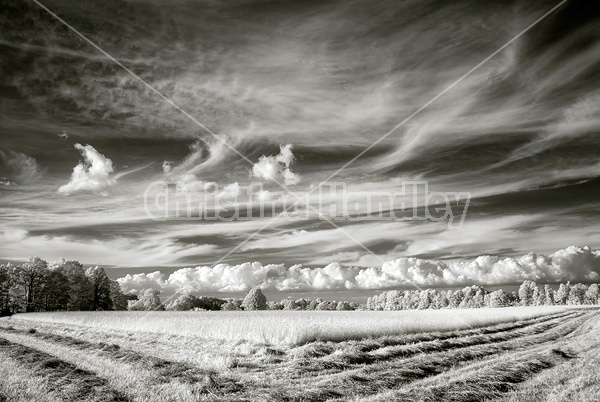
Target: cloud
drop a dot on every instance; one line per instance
(230, 191)
(189, 183)
(267, 196)
(19, 168)
(136, 282)
(167, 166)
(572, 263)
(277, 167)
(90, 175)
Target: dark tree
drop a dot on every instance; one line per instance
(101, 288)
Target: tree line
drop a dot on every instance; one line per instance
(63, 285)
(149, 299)
(528, 294)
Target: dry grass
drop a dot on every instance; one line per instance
(71, 382)
(451, 361)
(19, 384)
(290, 327)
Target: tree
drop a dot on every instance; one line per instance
(498, 298)
(117, 298)
(255, 300)
(313, 304)
(33, 275)
(55, 296)
(473, 297)
(7, 281)
(344, 305)
(326, 305)
(81, 290)
(101, 299)
(288, 304)
(527, 291)
(456, 298)
(393, 300)
(562, 294)
(184, 302)
(548, 295)
(577, 294)
(426, 298)
(147, 300)
(592, 295)
(209, 303)
(230, 306)
(273, 305)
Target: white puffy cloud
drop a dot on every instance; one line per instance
(572, 263)
(136, 282)
(167, 166)
(277, 167)
(93, 174)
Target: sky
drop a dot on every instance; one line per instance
(268, 99)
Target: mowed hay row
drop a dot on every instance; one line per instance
(340, 357)
(61, 380)
(548, 371)
(316, 371)
(389, 375)
(157, 351)
(487, 382)
(165, 371)
(291, 327)
(129, 380)
(18, 383)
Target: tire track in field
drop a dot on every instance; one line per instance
(79, 385)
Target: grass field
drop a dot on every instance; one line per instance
(512, 354)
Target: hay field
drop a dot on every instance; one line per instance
(289, 327)
(512, 354)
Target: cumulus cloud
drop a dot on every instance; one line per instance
(90, 175)
(277, 167)
(136, 282)
(572, 263)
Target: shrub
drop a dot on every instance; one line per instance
(255, 300)
(230, 306)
